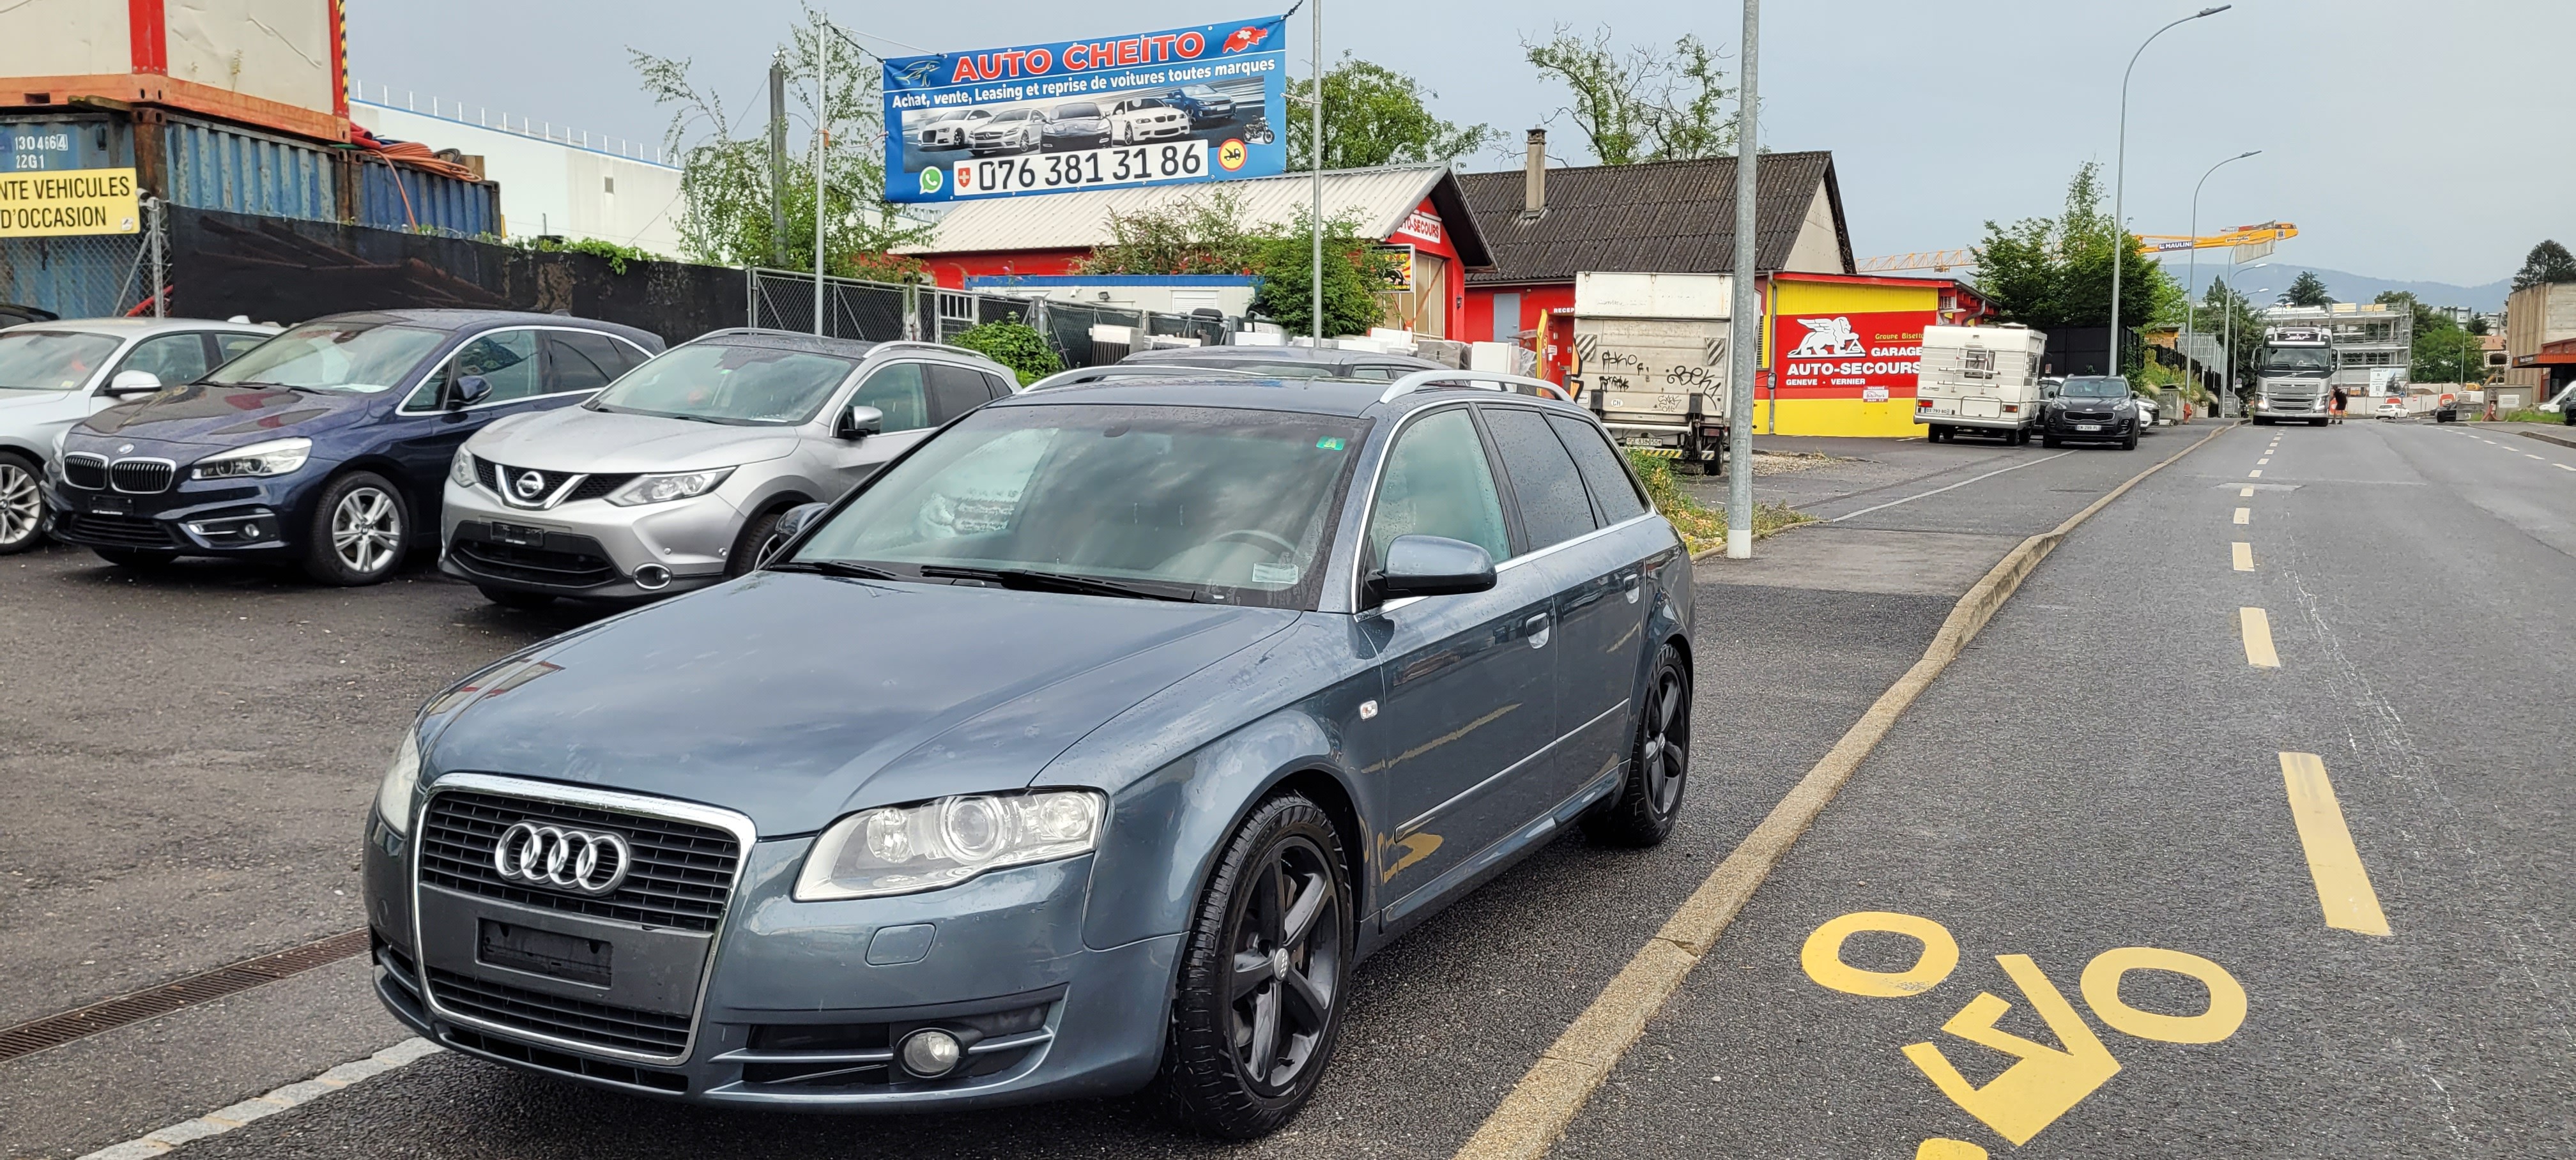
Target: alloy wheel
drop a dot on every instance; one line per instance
(366, 530)
(1287, 964)
(21, 509)
(1666, 754)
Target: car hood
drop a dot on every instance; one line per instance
(582, 440)
(202, 413)
(795, 698)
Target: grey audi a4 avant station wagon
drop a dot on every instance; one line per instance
(1087, 746)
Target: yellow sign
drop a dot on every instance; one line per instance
(71, 201)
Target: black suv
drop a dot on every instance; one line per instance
(2091, 408)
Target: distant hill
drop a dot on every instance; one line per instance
(2348, 287)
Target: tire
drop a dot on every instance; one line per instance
(513, 598)
(1650, 796)
(1288, 847)
(22, 504)
(135, 559)
(2130, 443)
(2048, 441)
(755, 536)
(358, 531)
(2316, 422)
(1931, 432)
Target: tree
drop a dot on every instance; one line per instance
(725, 189)
(2228, 315)
(2309, 290)
(1014, 344)
(2441, 351)
(1643, 104)
(2055, 273)
(1199, 233)
(2547, 264)
(1354, 270)
(1374, 115)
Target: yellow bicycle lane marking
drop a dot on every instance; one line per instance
(2244, 553)
(2244, 515)
(2044, 1082)
(2343, 885)
(2256, 625)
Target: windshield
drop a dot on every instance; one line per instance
(1198, 503)
(2095, 387)
(742, 385)
(1201, 91)
(51, 360)
(1014, 115)
(1075, 112)
(2297, 360)
(364, 357)
(1147, 103)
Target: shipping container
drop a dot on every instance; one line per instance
(271, 63)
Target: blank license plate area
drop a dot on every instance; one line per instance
(543, 952)
(519, 535)
(2088, 426)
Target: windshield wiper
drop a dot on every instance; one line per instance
(1030, 580)
(835, 568)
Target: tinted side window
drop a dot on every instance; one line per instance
(1612, 487)
(1554, 506)
(583, 361)
(506, 359)
(172, 358)
(897, 389)
(1437, 483)
(998, 388)
(956, 390)
(230, 346)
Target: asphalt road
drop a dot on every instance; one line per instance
(228, 760)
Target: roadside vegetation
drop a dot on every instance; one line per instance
(1014, 344)
(1703, 528)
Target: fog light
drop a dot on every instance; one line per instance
(930, 1053)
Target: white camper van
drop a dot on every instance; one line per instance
(1979, 378)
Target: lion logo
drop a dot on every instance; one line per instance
(1828, 338)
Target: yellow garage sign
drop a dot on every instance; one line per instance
(70, 201)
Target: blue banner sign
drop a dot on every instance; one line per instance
(1189, 104)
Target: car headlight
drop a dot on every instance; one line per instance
(665, 488)
(460, 470)
(275, 457)
(393, 798)
(928, 845)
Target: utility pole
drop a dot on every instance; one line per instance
(822, 145)
(2120, 250)
(1745, 329)
(1315, 161)
(777, 162)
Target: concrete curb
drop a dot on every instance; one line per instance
(1535, 1114)
(2560, 440)
(222, 1120)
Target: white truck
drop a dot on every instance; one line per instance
(1650, 358)
(2291, 376)
(1979, 378)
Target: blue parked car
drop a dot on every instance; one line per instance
(328, 445)
(1088, 745)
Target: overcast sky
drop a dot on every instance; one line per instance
(2408, 139)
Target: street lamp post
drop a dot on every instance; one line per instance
(2119, 185)
(2191, 260)
(2229, 344)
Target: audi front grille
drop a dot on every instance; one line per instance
(681, 875)
(573, 1020)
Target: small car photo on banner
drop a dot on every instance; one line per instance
(1189, 104)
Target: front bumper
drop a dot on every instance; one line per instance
(2293, 408)
(799, 1003)
(2111, 429)
(587, 548)
(230, 517)
(1054, 143)
(2004, 423)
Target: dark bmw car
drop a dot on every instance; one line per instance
(2091, 409)
(1086, 747)
(1074, 125)
(328, 445)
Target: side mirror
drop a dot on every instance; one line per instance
(790, 524)
(133, 383)
(469, 390)
(1434, 566)
(861, 421)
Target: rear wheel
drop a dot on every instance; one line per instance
(357, 533)
(22, 508)
(1650, 797)
(1258, 1008)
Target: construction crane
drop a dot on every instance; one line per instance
(2262, 237)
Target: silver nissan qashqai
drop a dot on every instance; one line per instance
(672, 477)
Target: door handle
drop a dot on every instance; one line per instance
(1630, 585)
(1536, 628)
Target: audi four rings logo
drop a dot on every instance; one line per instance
(530, 484)
(575, 860)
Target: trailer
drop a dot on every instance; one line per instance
(1979, 378)
(1650, 354)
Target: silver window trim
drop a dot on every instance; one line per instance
(444, 362)
(745, 834)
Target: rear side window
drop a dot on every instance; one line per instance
(584, 361)
(955, 390)
(1612, 487)
(1554, 505)
(171, 358)
(998, 388)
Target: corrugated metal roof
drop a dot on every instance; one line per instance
(1079, 219)
(1662, 217)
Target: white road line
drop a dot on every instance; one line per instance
(2563, 467)
(225, 1119)
(1938, 490)
(2528, 455)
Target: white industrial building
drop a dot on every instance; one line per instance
(554, 180)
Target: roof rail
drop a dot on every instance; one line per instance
(1475, 380)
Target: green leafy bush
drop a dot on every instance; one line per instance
(617, 255)
(1013, 344)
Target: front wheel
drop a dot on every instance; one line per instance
(1650, 797)
(357, 533)
(22, 509)
(1258, 1008)
(2049, 441)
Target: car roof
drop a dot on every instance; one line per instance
(1221, 355)
(798, 340)
(1348, 398)
(442, 318)
(130, 327)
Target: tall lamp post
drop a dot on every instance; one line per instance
(2119, 184)
(2229, 345)
(2191, 261)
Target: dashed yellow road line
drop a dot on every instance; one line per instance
(2244, 515)
(2257, 473)
(2256, 625)
(2343, 886)
(2265, 459)
(2245, 493)
(2244, 556)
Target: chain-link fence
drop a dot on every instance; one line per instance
(82, 276)
(883, 311)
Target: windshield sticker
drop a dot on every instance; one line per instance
(1329, 443)
(1280, 574)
